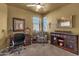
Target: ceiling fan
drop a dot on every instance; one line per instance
(37, 5)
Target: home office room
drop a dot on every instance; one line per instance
(39, 29)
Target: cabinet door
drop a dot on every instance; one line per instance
(71, 43)
(54, 40)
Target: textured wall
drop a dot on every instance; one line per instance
(21, 13)
(3, 25)
(68, 10)
(6, 15)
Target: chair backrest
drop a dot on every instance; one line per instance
(19, 37)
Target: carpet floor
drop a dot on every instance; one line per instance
(42, 50)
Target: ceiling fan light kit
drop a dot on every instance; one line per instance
(37, 5)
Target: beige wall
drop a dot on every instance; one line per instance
(6, 15)
(69, 10)
(8, 12)
(21, 13)
(3, 25)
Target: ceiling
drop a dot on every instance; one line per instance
(48, 7)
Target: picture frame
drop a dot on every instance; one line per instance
(65, 23)
(18, 24)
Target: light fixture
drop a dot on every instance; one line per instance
(38, 6)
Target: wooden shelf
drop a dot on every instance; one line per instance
(69, 41)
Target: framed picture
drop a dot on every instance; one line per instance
(65, 23)
(18, 24)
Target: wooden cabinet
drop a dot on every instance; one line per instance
(66, 41)
(27, 40)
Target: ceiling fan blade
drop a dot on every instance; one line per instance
(34, 4)
(30, 5)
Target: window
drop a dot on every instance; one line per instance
(45, 24)
(36, 23)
